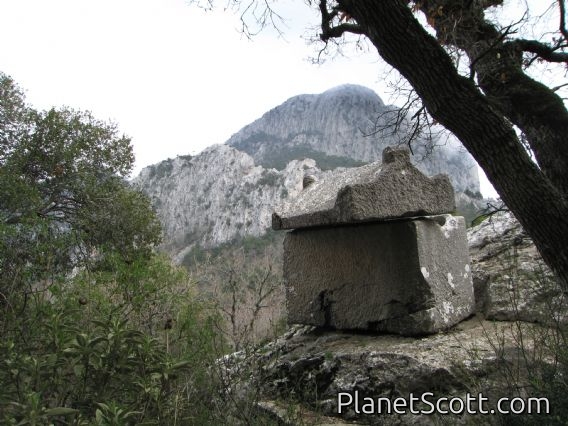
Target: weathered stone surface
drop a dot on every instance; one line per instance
(370, 193)
(510, 279)
(409, 277)
(313, 366)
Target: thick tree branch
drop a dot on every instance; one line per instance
(538, 111)
(339, 30)
(563, 29)
(489, 3)
(542, 50)
(329, 31)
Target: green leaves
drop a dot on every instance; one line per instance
(60, 411)
(83, 296)
(113, 367)
(113, 415)
(32, 413)
(64, 203)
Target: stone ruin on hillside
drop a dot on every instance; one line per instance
(376, 249)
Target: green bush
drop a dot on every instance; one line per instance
(124, 343)
(96, 328)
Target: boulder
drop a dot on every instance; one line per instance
(299, 376)
(510, 279)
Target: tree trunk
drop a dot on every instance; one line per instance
(457, 104)
(529, 104)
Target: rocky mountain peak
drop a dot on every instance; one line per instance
(230, 190)
(346, 126)
(351, 92)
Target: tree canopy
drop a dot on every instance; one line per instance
(64, 202)
(86, 304)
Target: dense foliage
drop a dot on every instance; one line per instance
(96, 328)
(62, 194)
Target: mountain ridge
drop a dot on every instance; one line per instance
(225, 193)
(350, 123)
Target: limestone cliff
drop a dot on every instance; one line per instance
(229, 191)
(341, 125)
(216, 196)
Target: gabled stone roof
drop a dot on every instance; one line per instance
(375, 192)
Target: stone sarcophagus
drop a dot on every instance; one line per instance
(377, 250)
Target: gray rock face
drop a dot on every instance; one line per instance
(224, 194)
(375, 192)
(216, 196)
(313, 367)
(511, 280)
(341, 125)
(408, 277)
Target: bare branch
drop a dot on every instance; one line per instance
(262, 13)
(557, 88)
(492, 208)
(489, 211)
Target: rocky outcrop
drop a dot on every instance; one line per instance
(224, 193)
(220, 195)
(510, 279)
(313, 368)
(216, 196)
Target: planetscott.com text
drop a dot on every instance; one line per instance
(427, 403)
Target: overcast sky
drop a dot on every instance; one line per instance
(174, 77)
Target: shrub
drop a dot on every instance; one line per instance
(124, 343)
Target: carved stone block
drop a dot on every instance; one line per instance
(410, 277)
